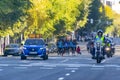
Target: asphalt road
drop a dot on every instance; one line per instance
(80, 67)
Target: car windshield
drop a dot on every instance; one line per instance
(12, 46)
(34, 42)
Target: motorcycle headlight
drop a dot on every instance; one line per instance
(107, 49)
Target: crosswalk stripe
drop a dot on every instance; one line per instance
(20, 67)
(71, 68)
(46, 68)
(1, 69)
(4, 65)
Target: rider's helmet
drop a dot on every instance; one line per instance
(100, 33)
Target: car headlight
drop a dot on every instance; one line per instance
(41, 48)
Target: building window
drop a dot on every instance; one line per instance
(109, 3)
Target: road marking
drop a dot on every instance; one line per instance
(70, 65)
(71, 68)
(61, 78)
(103, 61)
(64, 60)
(43, 64)
(46, 68)
(25, 65)
(25, 61)
(98, 66)
(69, 57)
(1, 69)
(73, 71)
(4, 65)
(111, 65)
(108, 59)
(20, 67)
(49, 65)
(67, 74)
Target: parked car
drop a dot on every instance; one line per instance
(12, 49)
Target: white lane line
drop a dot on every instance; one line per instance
(48, 65)
(98, 66)
(111, 65)
(108, 59)
(4, 64)
(73, 71)
(42, 64)
(104, 61)
(64, 60)
(27, 65)
(25, 61)
(67, 74)
(46, 68)
(61, 78)
(71, 68)
(1, 69)
(20, 67)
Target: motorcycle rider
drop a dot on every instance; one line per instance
(99, 38)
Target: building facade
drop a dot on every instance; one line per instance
(114, 4)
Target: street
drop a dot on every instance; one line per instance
(80, 67)
(59, 39)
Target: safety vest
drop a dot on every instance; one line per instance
(100, 39)
(108, 45)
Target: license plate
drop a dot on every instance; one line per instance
(33, 53)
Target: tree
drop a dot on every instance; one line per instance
(11, 15)
(46, 17)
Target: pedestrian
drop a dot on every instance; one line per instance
(78, 50)
(60, 47)
(72, 48)
(67, 46)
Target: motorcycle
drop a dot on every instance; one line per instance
(108, 51)
(113, 48)
(98, 52)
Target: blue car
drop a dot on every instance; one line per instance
(34, 47)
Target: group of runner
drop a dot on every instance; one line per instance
(67, 46)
